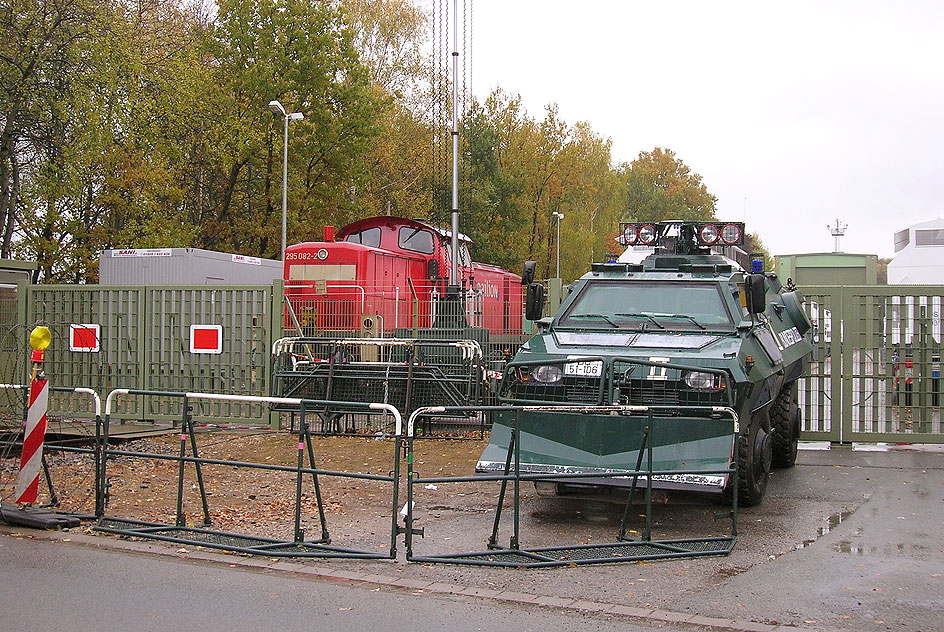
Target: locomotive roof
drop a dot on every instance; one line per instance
(393, 222)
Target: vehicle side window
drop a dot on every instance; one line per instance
(415, 239)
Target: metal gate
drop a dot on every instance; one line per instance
(876, 371)
(145, 344)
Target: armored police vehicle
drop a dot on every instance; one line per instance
(678, 338)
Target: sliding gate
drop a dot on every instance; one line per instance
(876, 373)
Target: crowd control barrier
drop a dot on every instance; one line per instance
(622, 549)
(204, 535)
(75, 504)
(647, 469)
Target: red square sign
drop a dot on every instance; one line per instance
(84, 338)
(206, 339)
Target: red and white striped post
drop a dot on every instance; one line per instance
(27, 483)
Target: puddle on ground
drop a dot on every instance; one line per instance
(831, 523)
(845, 546)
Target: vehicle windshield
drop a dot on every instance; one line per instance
(647, 305)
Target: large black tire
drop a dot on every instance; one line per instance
(754, 455)
(785, 426)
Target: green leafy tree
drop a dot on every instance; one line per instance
(521, 172)
(301, 54)
(50, 55)
(495, 217)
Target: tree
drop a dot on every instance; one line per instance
(51, 60)
(301, 54)
(659, 186)
(521, 172)
(494, 212)
(388, 35)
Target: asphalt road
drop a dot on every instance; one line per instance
(844, 540)
(61, 586)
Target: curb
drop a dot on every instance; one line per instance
(326, 573)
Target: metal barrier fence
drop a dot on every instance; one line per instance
(406, 373)
(876, 375)
(75, 504)
(198, 528)
(203, 535)
(622, 549)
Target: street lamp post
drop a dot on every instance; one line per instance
(559, 217)
(277, 111)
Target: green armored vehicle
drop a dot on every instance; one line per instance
(684, 331)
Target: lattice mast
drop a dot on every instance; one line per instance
(837, 232)
(458, 98)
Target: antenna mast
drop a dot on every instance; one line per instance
(837, 232)
(454, 271)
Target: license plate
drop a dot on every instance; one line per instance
(584, 369)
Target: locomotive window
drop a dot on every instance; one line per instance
(368, 237)
(415, 239)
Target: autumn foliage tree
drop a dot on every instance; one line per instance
(144, 123)
(659, 186)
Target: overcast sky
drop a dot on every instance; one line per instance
(795, 113)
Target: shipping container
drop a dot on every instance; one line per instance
(184, 266)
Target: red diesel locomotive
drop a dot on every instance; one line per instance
(387, 273)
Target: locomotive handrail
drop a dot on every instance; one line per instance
(469, 348)
(346, 285)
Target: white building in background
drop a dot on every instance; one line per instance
(919, 257)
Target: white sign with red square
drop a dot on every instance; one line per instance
(206, 339)
(84, 338)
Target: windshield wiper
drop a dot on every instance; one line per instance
(642, 315)
(601, 316)
(686, 316)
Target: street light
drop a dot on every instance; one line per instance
(277, 111)
(559, 217)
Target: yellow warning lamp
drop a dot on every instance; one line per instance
(39, 339)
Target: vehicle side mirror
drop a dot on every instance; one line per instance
(527, 277)
(534, 303)
(432, 269)
(755, 292)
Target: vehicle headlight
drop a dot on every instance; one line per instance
(547, 373)
(701, 381)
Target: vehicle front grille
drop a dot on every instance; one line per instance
(632, 384)
(576, 390)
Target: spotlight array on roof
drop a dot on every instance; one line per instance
(704, 233)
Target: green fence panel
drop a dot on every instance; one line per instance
(242, 368)
(821, 418)
(875, 375)
(117, 362)
(145, 344)
(13, 350)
